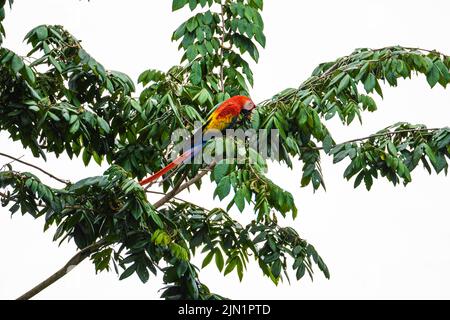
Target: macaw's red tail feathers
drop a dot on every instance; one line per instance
(185, 156)
(158, 174)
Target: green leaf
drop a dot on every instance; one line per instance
(203, 96)
(323, 267)
(207, 17)
(178, 4)
(86, 157)
(75, 127)
(368, 181)
(193, 288)
(260, 37)
(276, 268)
(103, 125)
(219, 259)
(155, 217)
(192, 24)
(17, 63)
(128, 272)
(191, 53)
(192, 4)
(359, 179)
(196, 73)
(220, 171)
(430, 153)
(182, 268)
(344, 83)
(258, 3)
(300, 271)
(53, 116)
(179, 252)
(242, 82)
(179, 32)
(200, 35)
(55, 63)
(370, 82)
(230, 266)
(143, 273)
(239, 200)
(297, 250)
(433, 76)
(29, 75)
(327, 144)
(223, 188)
(41, 32)
(392, 149)
(208, 258)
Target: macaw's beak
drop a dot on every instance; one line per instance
(247, 114)
(251, 113)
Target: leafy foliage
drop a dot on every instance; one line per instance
(112, 209)
(394, 152)
(336, 88)
(73, 104)
(218, 39)
(2, 17)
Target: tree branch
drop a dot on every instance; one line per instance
(72, 263)
(86, 252)
(161, 194)
(338, 63)
(180, 200)
(384, 134)
(35, 167)
(8, 163)
(180, 188)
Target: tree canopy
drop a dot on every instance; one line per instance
(59, 99)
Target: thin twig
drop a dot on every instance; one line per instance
(180, 200)
(390, 133)
(161, 194)
(412, 49)
(35, 167)
(189, 183)
(12, 161)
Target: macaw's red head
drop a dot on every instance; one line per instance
(246, 104)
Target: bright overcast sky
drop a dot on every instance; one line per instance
(389, 243)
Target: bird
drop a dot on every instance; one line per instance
(226, 116)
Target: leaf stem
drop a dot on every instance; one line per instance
(384, 134)
(35, 167)
(177, 190)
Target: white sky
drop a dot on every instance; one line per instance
(385, 244)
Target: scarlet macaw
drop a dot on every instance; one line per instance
(224, 117)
